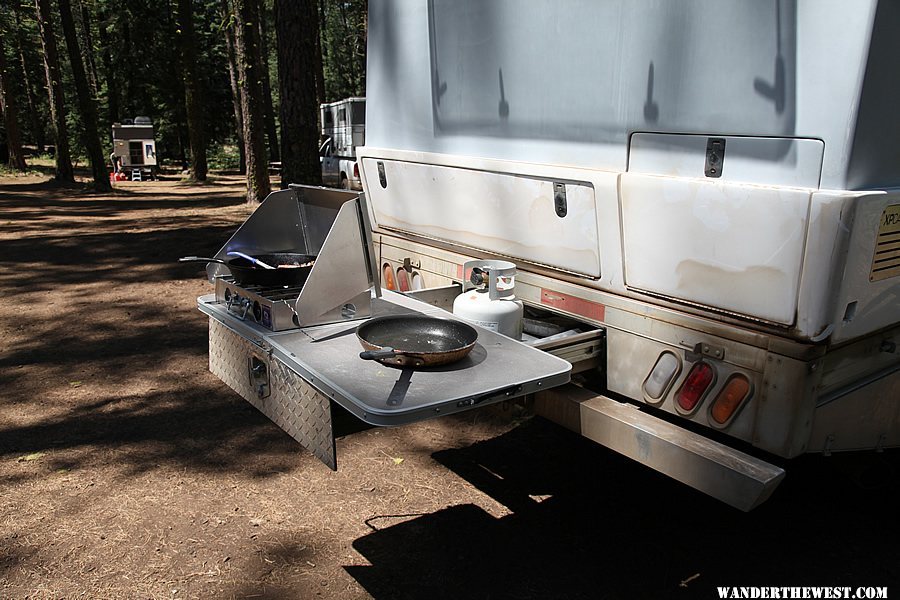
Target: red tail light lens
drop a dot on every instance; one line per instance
(730, 398)
(695, 386)
(355, 171)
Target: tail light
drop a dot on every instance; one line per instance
(402, 279)
(698, 381)
(388, 279)
(661, 376)
(729, 399)
(355, 171)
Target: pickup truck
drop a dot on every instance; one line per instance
(338, 171)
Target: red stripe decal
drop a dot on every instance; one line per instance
(573, 304)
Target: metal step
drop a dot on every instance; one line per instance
(736, 478)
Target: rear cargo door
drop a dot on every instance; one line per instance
(543, 221)
(719, 221)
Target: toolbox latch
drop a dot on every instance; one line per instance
(259, 377)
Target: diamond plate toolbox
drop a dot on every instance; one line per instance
(285, 397)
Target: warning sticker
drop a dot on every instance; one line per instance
(886, 262)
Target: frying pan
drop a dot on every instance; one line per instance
(247, 273)
(415, 340)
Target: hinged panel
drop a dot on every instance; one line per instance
(551, 223)
(738, 248)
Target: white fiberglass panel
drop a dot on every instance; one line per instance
(732, 247)
(867, 300)
(508, 215)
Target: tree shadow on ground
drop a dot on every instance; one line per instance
(588, 523)
(107, 365)
(201, 429)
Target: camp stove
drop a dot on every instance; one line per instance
(329, 224)
(292, 352)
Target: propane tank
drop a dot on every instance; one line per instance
(488, 297)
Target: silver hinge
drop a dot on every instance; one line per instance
(701, 349)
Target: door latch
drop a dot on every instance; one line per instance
(715, 157)
(259, 377)
(559, 199)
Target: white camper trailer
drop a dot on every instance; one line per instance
(135, 148)
(343, 131)
(704, 196)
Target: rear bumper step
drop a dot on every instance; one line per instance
(736, 478)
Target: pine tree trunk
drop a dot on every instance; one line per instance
(88, 47)
(175, 98)
(109, 69)
(297, 30)
(86, 104)
(121, 62)
(271, 131)
(37, 123)
(320, 63)
(192, 94)
(10, 114)
(249, 66)
(55, 90)
(228, 19)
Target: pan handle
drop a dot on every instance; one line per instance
(385, 352)
(252, 259)
(201, 259)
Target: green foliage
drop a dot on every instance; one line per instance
(344, 48)
(223, 157)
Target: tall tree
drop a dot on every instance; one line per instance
(297, 29)
(87, 46)
(87, 106)
(34, 114)
(269, 105)
(249, 73)
(192, 94)
(109, 69)
(320, 62)
(55, 95)
(228, 27)
(8, 108)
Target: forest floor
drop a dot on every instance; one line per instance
(128, 471)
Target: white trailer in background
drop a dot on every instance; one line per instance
(343, 130)
(135, 148)
(714, 184)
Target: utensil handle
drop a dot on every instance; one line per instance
(376, 354)
(252, 259)
(201, 259)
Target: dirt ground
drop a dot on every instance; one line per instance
(128, 471)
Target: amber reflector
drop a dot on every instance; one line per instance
(695, 385)
(734, 392)
(388, 281)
